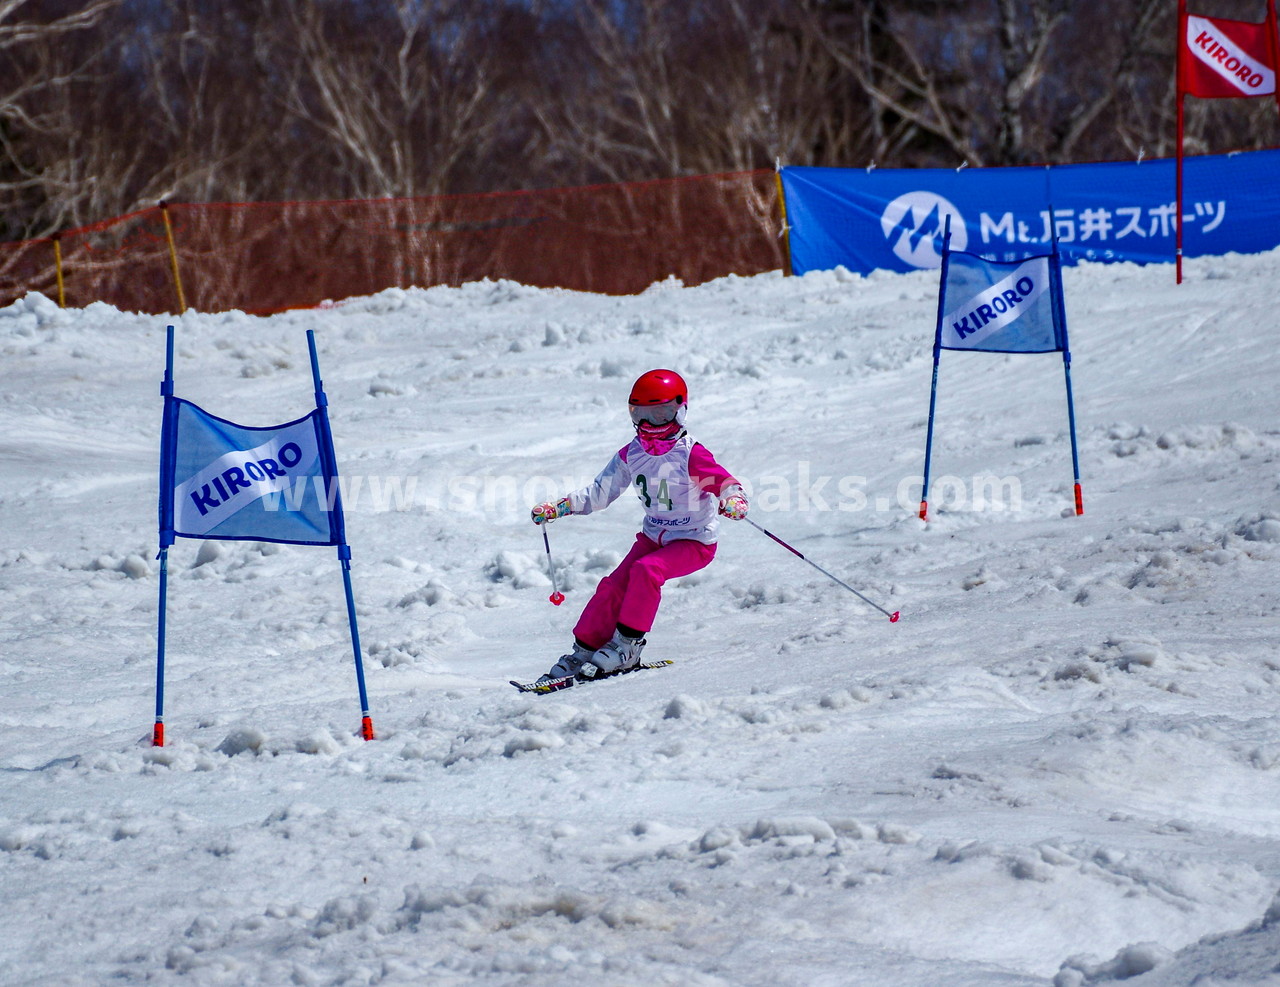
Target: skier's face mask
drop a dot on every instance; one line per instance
(655, 414)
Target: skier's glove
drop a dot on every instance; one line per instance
(545, 513)
(734, 506)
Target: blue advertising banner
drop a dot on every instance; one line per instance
(893, 219)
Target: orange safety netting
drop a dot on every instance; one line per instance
(267, 257)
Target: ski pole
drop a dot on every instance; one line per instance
(556, 596)
(893, 617)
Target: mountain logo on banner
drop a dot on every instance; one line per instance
(1228, 58)
(913, 224)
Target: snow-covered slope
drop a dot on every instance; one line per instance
(1063, 762)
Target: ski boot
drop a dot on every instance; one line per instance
(569, 664)
(621, 654)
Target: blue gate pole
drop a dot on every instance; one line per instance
(366, 722)
(1071, 418)
(157, 731)
(166, 531)
(1064, 343)
(338, 529)
(933, 388)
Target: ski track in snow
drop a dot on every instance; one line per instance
(1062, 766)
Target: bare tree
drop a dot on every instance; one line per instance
(109, 105)
(1024, 48)
(618, 107)
(913, 91)
(403, 96)
(35, 77)
(1129, 95)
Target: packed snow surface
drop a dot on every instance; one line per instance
(1061, 766)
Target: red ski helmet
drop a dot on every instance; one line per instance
(659, 387)
(658, 397)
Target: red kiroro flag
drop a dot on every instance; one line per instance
(1223, 59)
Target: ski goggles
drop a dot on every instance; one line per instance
(654, 414)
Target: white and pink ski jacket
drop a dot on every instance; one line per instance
(680, 489)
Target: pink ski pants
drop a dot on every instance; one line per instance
(631, 593)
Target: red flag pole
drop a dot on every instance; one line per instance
(1180, 84)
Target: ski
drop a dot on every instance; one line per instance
(569, 681)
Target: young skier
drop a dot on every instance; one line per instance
(682, 488)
